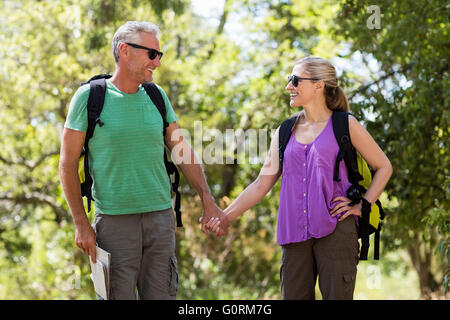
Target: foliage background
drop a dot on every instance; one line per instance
(228, 69)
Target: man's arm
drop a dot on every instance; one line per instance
(184, 156)
(71, 146)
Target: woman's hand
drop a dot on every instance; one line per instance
(344, 206)
(217, 226)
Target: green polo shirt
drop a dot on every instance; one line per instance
(125, 154)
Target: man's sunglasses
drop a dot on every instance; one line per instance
(294, 79)
(152, 53)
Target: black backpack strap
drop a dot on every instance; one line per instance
(283, 137)
(94, 109)
(364, 251)
(376, 248)
(380, 207)
(95, 105)
(364, 229)
(376, 253)
(172, 171)
(346, 150)
(155, 95)
(98, 76)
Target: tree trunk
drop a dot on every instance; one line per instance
(221, 27)
(421, 260)
(228, 179)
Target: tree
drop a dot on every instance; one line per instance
(408, 98)
(227, 78)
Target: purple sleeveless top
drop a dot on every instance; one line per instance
(307, 188)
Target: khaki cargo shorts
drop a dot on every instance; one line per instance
(142, 248)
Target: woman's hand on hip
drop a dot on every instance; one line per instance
(344, 207)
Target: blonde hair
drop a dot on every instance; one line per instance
(322, 69)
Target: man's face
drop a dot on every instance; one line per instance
(140, 65)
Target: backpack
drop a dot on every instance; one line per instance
(359, 175)
(94, 108)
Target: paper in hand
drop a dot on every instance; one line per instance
(100, 272)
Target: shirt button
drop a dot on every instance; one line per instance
(304, 179)
(306, 147)
(304, 194)
(304, 211)
(304, 164)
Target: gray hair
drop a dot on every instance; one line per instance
(129, 32)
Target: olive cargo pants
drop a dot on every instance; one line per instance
(332, 258)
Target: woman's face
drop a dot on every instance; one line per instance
(305, 90)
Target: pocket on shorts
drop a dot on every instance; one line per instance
(173, 281)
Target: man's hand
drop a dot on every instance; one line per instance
(212, 211)
(85, 239)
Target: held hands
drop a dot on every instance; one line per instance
(212, 217)
(217, 225)
(344, 207)
(216, 221)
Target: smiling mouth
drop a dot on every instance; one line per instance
(293, 95)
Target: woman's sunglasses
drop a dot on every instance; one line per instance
(152, 53)
(294, 79)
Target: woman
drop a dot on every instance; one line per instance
(317, 234)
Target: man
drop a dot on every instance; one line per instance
(134, 219)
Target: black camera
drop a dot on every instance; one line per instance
(354, 194)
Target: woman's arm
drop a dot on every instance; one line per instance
(376, 159)
(374, 156)
(268, 176)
